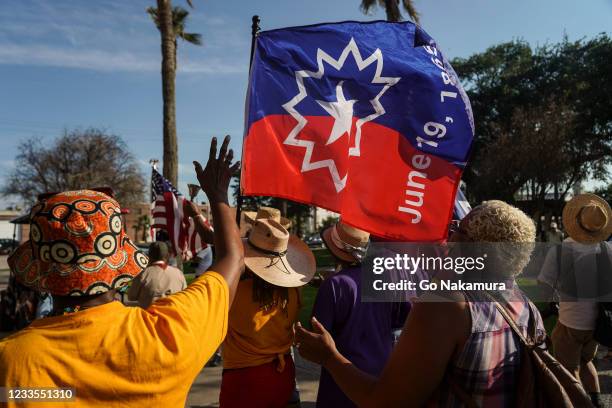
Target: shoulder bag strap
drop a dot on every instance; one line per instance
(506, 314)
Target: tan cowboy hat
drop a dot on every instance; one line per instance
(278, 257)
(267, 213)
(346, 242)
(587, 218)
(246, 222)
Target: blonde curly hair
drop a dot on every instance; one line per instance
(498, 222)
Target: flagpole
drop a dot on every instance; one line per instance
(152, 231)
(254, 30)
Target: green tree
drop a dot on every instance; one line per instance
(171, 21)
(328, 221)
(392, 8)
(543, 118)
(605, 192)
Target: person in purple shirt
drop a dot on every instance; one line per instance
(363, 331)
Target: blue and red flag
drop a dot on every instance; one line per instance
(365, 119)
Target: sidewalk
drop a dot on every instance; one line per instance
(604, 371)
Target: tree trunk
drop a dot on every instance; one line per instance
(168, 71)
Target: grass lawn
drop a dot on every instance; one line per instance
(323, 257)
(309, 293)
(189, 277)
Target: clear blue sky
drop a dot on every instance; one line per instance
(69, 63)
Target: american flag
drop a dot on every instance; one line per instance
(462, 206)
(167, 208)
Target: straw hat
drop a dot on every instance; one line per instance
(267, 213)
(346, 242)
(77, 246)
(587, 218)
(278, 257)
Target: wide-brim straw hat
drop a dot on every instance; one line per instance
(77, 246)
(587, 218)
(277, 257)
(346, 242)
(267, 213)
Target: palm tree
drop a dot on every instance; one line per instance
(392, 8)
(170, 21)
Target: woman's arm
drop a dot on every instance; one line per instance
(134, 290)
(416, 367)
(204, 231)
(214, 179)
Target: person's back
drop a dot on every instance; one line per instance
(109, 354)
(256, 334)
(258, 369)
(155, 282)
(575, 311)
(113, 355)
(582, 275)
(450, 337)
(363, 331)
(487, 366)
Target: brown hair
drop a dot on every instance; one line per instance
(267, 295)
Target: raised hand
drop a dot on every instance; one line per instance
(215, 177)
(214, 180)
(191, 209)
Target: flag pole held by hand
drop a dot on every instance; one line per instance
(254, 30)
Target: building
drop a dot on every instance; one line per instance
(137, 220)
(10, 230)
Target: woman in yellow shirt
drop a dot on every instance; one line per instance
(258, 368)
(107, 354)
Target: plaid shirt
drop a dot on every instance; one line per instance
(487, 368)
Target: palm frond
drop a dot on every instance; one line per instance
(191, 38)
(179, 20)
(392, 8)
(411, 10)
(179, 15)
(367, 5)
(152, 12)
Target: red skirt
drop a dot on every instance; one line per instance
(261, 386)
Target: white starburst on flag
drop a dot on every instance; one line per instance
(342, 110)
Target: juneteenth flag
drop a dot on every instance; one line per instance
(365, 119)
